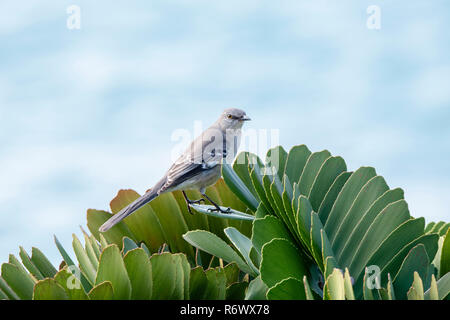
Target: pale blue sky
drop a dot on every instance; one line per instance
(83, 113)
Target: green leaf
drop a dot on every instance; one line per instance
(238, 187)
(281, 260)
(331, 195)
(311, 170)
(20, 283)
(370, 192)
(213, 245)
(416, 261)
(416, 290)
(346, 198)
(172, 222)
(242, 244)
(128, 245)
(443, 286)
(42, 263)
(432, 293)
(69, 262)
(6, 289)
(296, 161)
(276, 158)
(349, 294)
(329, 171)
(85, 263)
(29, 264)
(167, 277)
(266, 229)
(308, 293)
(256, 290)
(139, 271)
(49, 289)
(112, 268)
(389, 219)
(236, 291)
(334, 288)
(241, 167)
(445, 255)
(287, 289)
(102, 291)
(71, 284)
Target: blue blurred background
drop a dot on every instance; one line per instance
(83, 113)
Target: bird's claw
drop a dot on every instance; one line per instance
(228, 210)
(197, 201)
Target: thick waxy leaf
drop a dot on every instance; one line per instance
(256, 290)
(348, 285)
(445, 255)
(416, 290)
(210, 285)
(308, 292)
(276, 159)
(329, 171)
(443, 288)
(242, 244)
(6, 290)
(213, 245)
(49, 289)
(370, 192)
(281, 260)
(139, 271)
(416, 261)
(287, 289)
(266, 229)
(71, 285)
(20, 283)
(169, 277)
(29, 264)
(383, 225)
(42, 263)
(369, 216)
(334, 288)
(346, 198)
(112, 268)
(236, 291)
(241, 167)
(69, 262)
(311, 170)
(85, 263)
(296, 161)
(331, 195)
(172, 222)
(102, 291)
(238, 187)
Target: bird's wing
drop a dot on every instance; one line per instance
(204, 153)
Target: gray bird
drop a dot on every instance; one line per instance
(198, 167)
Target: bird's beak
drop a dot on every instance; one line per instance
(245, 118)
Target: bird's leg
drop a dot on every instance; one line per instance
(188, 201)
(228, 210)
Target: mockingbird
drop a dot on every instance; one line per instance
(198, 167)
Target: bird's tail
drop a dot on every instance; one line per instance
(132, 207)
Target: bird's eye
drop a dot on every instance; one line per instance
(230, 116)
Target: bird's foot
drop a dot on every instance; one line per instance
(197, 201)
(218, 209)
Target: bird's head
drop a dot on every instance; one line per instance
(233, 118)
